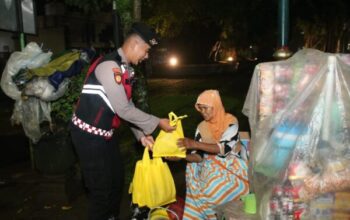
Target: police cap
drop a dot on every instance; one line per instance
(147, 33)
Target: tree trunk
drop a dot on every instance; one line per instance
(140, 89)
(137, 10)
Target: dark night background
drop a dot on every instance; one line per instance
(191, 27)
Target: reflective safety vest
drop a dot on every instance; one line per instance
(94, 113)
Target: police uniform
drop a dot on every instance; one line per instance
(105, 100)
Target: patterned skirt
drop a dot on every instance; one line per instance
(213, 182)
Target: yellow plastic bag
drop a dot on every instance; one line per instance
(161, 213)
(165, 143)
(152, 184)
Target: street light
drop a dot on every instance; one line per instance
(282, 53)
(173, 61)
(229, 59)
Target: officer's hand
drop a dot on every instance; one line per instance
(147, 141)
(165, 126)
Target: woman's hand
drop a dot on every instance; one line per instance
(186, 144)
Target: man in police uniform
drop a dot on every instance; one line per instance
(104, 101)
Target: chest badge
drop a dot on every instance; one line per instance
(117, 75)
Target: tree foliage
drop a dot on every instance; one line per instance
(124, 7)
(238, 23)
(89, 6)
(322, 23)
(319, 23)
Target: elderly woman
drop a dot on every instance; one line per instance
(217, 169)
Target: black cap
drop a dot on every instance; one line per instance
(147, 33)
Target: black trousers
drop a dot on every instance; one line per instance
(103, 172)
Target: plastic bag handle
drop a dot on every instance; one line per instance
(174, 118)
(160, 207)
(146, 158)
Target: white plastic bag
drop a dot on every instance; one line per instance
(40, 87)
(32, 56)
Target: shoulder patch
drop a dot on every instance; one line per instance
(117, 75)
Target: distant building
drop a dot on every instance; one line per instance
(59, 29)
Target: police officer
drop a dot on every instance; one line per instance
(105, 100)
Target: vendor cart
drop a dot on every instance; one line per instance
(299, 115)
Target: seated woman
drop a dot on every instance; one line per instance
(217, 168)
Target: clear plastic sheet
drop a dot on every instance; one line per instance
(30, 57)
(26, 80)
(30, 113)
(299, 115)
(234, 210)
(41, 88)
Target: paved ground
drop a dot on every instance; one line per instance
(26, 194)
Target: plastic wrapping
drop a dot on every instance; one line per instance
(34, 81)
(41, 88)
(30, 57)
(61, 63)
(299, 115)
(334, 176)
(30, 113)
(234, 210)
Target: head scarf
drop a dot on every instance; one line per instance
(220, 120)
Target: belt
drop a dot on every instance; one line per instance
(91, 129)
